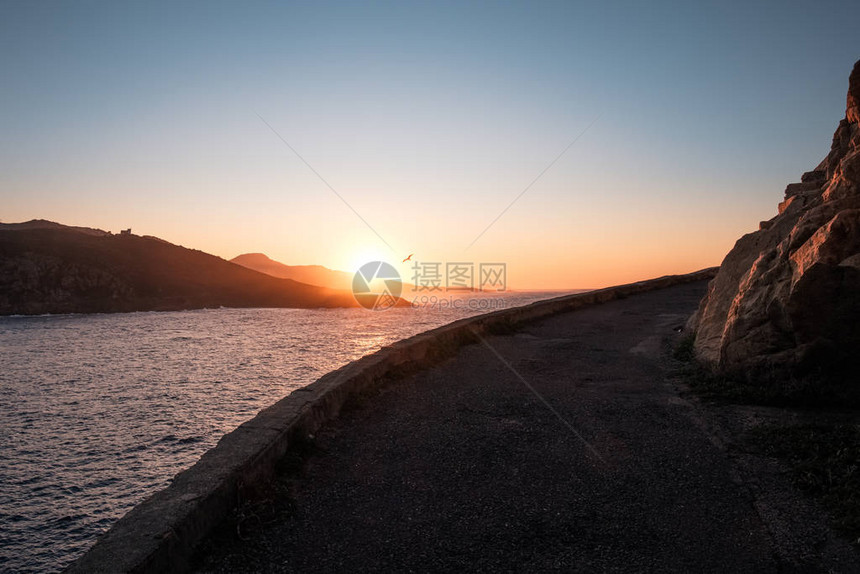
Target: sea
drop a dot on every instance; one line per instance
(99, 411)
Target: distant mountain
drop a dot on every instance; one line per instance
(310, 274)
(46, 267)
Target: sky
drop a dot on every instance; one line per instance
(333, 133)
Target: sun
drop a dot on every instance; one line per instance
(360, 256)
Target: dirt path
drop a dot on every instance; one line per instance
(463, 467)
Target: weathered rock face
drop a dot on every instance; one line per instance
(787, 297)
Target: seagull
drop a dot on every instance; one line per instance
(408, 258)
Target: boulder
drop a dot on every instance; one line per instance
(787, 297)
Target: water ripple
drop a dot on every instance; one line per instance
(97, 412)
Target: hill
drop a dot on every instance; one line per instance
(310, 274)
(45, 224)
(47, 267)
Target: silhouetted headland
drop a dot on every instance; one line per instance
(52, 268)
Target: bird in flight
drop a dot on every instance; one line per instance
(408, 258)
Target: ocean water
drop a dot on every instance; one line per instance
(97, 412)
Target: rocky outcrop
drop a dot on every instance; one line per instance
(787, 297)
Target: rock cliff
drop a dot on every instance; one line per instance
(787, 297)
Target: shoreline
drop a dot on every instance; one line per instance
(161, 533)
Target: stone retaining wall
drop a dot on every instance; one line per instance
(160, 534)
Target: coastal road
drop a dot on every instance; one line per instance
(561, 447)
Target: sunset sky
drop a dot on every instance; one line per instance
(428, 119)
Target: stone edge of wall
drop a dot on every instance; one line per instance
(161, 533)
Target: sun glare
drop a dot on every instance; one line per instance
(364, 255)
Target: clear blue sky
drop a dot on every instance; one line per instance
(428, 118)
